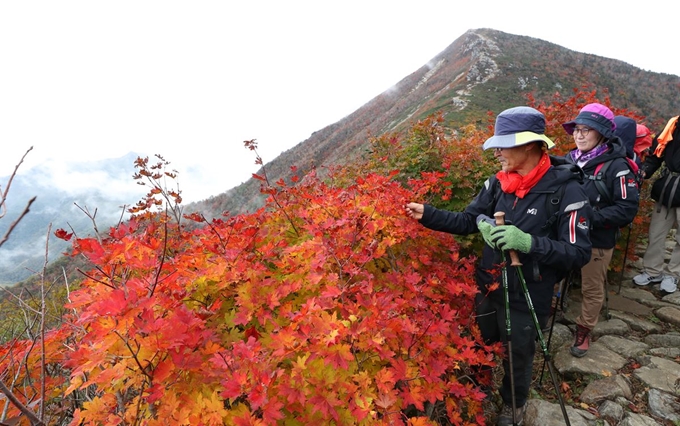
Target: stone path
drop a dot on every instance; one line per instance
(633, 361)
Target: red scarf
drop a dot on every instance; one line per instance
(514, 183)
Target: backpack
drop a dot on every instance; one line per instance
(636, 138)
(634, 143)
(599, 175)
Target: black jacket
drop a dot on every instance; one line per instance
(669, 174)
(555, 249)
(624, 198)
(670, 156)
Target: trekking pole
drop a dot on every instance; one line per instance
(607, 316)
(565, 291)
(625, 256)
(561, 291)
(500, 219)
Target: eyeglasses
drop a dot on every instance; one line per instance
(583, 130)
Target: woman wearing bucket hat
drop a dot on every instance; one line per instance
(613, 193)
(548, 243)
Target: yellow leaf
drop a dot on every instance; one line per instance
(75, 384)
(301, 362)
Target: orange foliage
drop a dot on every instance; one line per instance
(328, 306)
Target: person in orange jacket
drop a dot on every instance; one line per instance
(665, 150)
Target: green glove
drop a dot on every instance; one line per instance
(510, 237)
(485, 228)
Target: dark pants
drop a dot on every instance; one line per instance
(491, 321)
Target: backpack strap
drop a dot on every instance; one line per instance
(552, 205)
(491, 209)
(598, 178)
(552, 202)
(635, 168)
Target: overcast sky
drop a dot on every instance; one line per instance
(89, 80)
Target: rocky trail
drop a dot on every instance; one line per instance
(631, 373)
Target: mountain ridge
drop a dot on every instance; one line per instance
(483, 70)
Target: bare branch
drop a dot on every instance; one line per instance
(122, 214)
(35, 421)
(19, 300)
(85, 274)
(92, 217)
(3, 194)
(134, 354)
(160, 267)
(43, 350)
(16, 222)
(68, 289)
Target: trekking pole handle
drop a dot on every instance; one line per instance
(500, 220)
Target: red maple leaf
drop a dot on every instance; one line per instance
(62, 234)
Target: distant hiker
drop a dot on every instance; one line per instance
(665, 150)
(612, 190)
(636, 138)
(626, 129)
(523, 189)
(643, 141)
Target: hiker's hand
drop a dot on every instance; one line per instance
(485, 224)
(510, 237)
(415, 210)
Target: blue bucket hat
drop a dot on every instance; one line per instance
(518, 126)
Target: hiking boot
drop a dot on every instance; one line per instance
(505, 415)
(646, 279)
(581, 342)
(669, 284)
